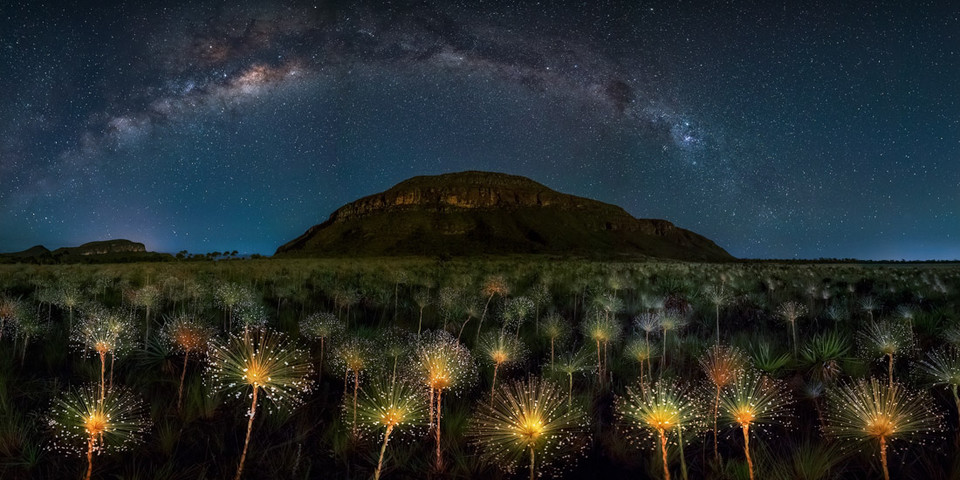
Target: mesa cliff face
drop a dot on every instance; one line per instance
(492, 213)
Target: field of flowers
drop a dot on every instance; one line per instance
(522, 367)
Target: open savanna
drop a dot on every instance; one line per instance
(501, 367)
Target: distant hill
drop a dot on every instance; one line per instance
(107, 251)
(471, 213)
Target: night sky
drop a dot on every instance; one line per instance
(795, 130)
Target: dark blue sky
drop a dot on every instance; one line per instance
(777, 130)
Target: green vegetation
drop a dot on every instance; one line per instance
(499, 367)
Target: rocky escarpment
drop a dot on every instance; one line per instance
(467, 190)
(492, 213)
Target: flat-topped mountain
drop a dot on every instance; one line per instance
(470, 213)
(105, 251)
(102, 248)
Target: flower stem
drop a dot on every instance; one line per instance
(383, 449)
(90, 444)
(883, 457)
(356, 387)
(663, 453)
(103, 366)
(956, 400)
(183, 374)
(890, 369)
(716, 412)
(439, 462)
(746, 449)
(493, 386)
(246, 443)
(532, 463)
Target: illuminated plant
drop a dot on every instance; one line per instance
(192, 295)
(608, 303)
(471, 309)
(344, 299)
(423, 299)
(442, 364)
(868, 304)
(69, 298)
(555, 328)
(719, 297)
(120, 323)
(942, 367)
(568, 364)
(29, 326)
(664, 408)
(263, 362)
(84, 418)
(529, 418)
(652, 303)
(640, 351)
(394, 343)
(251, 316)
(837, 312)
(540, 294)
(229, 297)
(868, 410)
(602, 331)
(649, 323)
(450, 303)
(189, 336)
(886, 339)
(789, 312)
(500, 351)
(390, 405)
(322, 326)
(399, 277)
(515, 312)
(492, 286)
(147, 298)
(46, 294)
(906, 313)
(353, 356)
(670, 321)
(755, 400)
(103, 332)
(722, 366)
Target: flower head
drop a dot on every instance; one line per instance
(665, 406)
(755, 400)
(116, 423)
(443, 363)
(262, 360)
(527, 416)
(873, 410)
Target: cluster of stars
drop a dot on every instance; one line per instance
(750, 126)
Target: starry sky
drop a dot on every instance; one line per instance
(777, 129)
